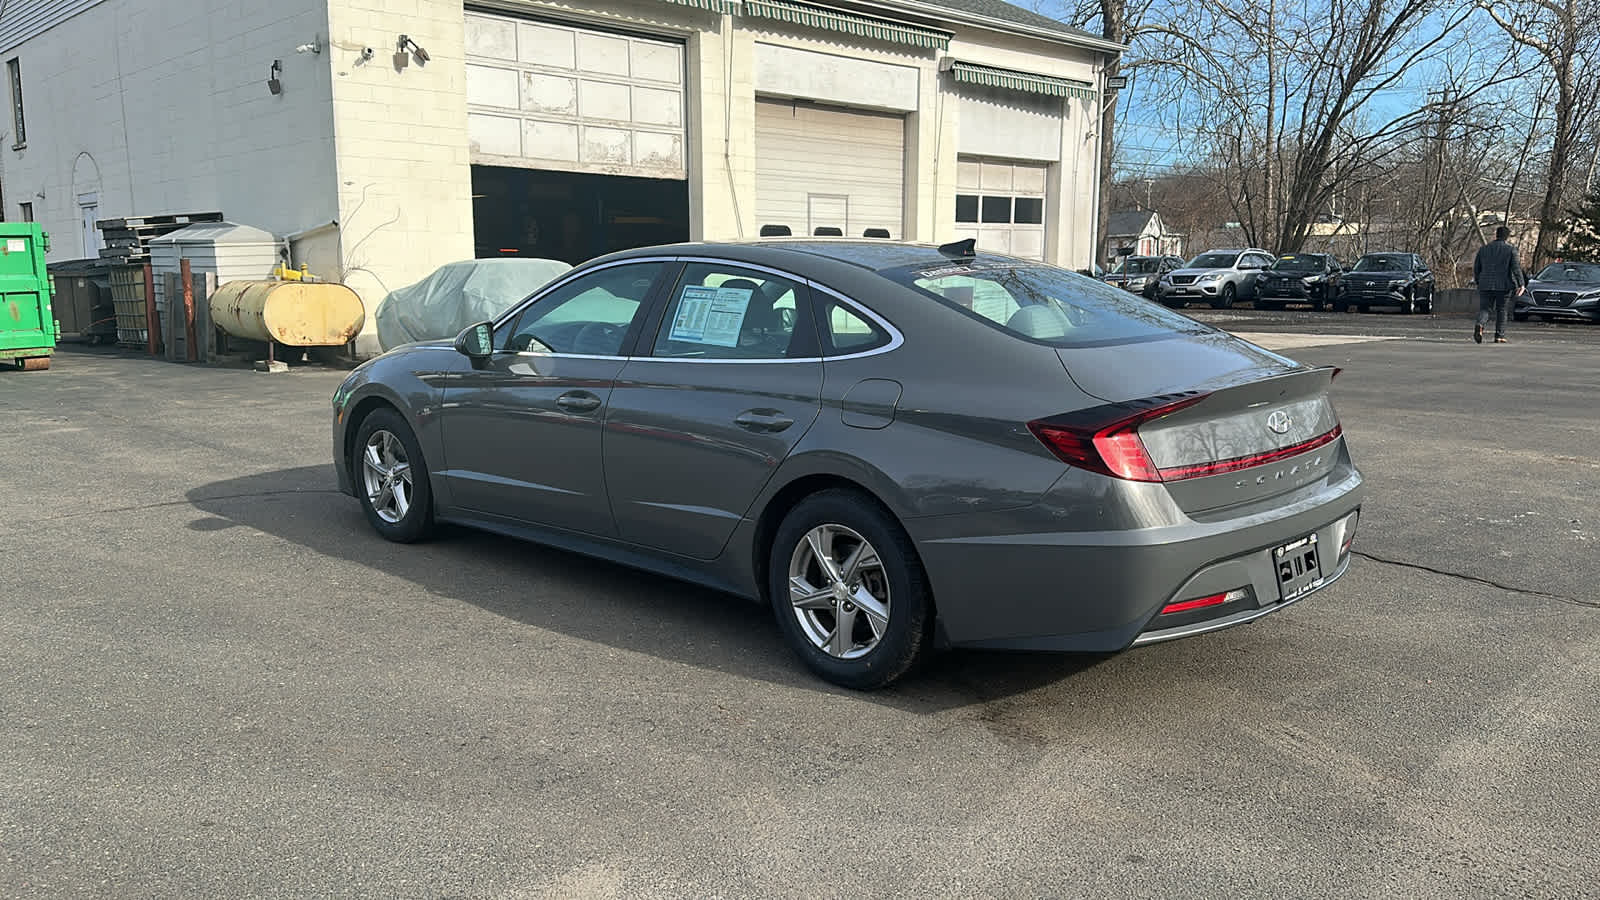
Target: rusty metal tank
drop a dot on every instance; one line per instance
(292, 313)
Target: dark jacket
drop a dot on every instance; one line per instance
(1496, 267)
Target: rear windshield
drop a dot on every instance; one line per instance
(1299, 263)
(1382, 264)
(1044, 304)
(1570, 272)
(1213, 261)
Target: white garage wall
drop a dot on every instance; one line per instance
(162, 106)
(404, 183)
(849, 81)
(1010, 124)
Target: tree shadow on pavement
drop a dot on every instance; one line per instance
(591, 599)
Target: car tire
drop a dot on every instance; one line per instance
(1364, 308)
(1170, 303)
(1226, 297)
(882, 644)
(1408, 306)
(1520, 316)
(1270, 304)
(391, 478)
(1341, 306)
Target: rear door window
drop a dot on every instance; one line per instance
(719, 311)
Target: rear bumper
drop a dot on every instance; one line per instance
(1104, 591)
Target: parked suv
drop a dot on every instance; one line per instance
(1141, 274)
(1400, 280)
(1562, 291)
(1219, 277)
(1299, 278)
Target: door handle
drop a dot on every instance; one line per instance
(578, 401)
(763, 420)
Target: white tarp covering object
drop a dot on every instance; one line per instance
(460, 294)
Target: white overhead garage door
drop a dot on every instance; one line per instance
(550, 96)
(1002, 205)
(821, 167)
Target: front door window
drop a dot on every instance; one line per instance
(588, 316)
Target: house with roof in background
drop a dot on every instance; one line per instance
(1143, 231)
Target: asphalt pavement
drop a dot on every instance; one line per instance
(220, 682)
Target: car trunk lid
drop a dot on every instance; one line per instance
(1264, 425)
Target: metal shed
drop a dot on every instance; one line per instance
(227, 250)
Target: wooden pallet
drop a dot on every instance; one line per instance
(178, 219)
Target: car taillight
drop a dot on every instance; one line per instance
(1106, 440)
(1109, 446)
(1203, 602)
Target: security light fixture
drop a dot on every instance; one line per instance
(406, 43)
(274, 84)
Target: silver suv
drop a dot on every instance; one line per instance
(1219, 277)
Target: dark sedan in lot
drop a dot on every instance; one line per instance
(1400, 280)
(1299, 278)
(896, 447)
(1562, 291)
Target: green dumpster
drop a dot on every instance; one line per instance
(28, 328)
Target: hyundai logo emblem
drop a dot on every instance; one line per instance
(1279, 422)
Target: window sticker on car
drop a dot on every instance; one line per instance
(710, 315)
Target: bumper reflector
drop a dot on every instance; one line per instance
(1348, 527)
(1203, 602)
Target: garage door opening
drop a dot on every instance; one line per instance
(573, 216)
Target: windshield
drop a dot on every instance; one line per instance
(1300, 262)
(1571, 272)
(1044, 304)
(1213, 261)
(1136, 265)
(1382, 263)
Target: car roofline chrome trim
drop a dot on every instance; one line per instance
(896, 337)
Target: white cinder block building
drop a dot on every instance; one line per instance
(553, 128)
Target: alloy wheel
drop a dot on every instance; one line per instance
(839, 592)
(386, 475)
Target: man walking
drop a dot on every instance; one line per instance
(1499, 276)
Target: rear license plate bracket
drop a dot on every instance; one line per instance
(1299, 567)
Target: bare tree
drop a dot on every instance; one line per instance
(1565, 36)
(1293, 95)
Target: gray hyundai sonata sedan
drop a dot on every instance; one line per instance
(898, 447)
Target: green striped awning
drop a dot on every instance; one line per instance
(725, 7)
(988, 76)
(847, 23)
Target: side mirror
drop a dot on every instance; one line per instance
(476, 341)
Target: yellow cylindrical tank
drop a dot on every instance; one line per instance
(293, 313)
